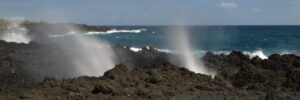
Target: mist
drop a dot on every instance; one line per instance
(81, 55)
(77, 54)
(179, 40)
(88, 55)
(60, 57)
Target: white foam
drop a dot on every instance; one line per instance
(15, 32)
(135, 49)
(163, 50)
(258, 53)
(222, 52)
(116, 31)
(103, 33)
(201, 53)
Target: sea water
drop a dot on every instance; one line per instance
(259, 41)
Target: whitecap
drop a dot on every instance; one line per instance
(258, 53)
(222, 52)
(117, 31)
(135, 49)
(103, 33)
(163, 50)
(201, 53)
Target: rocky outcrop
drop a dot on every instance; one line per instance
(275, 73)
(167, 82)
(149, 75)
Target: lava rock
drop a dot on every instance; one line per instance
(102, 87)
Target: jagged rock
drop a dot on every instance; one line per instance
(102, 87)
(116, 72)
(148, 74)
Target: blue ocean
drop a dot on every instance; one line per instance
(218, 39)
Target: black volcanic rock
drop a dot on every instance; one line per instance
(103, 87)
(148, 74)
(156, 83)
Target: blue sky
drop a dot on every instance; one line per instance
(156, 12)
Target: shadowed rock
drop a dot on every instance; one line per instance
(149, 75)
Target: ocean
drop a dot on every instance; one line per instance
(253, 40)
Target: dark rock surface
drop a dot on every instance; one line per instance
(149, 75)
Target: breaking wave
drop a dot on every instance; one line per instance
(201, 53)
(102, 33)
(134, 49)
(117, 31)
(258, 53)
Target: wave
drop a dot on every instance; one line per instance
(163, 50)
(117, 31)
(134, 49)
(103, 33)
(137, 49)
(201, 53)
(258, 53)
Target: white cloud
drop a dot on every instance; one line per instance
(228, 5)
(256, 10)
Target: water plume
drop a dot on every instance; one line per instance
(14, 32)
(74, 55)
(179, 39)
(87, 55)
(81, 55)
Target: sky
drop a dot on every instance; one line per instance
(156, 12)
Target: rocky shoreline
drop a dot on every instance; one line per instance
(148, 74)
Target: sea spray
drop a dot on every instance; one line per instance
(15, 32)
(179, 39)
(84, 55)
(88, 55)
